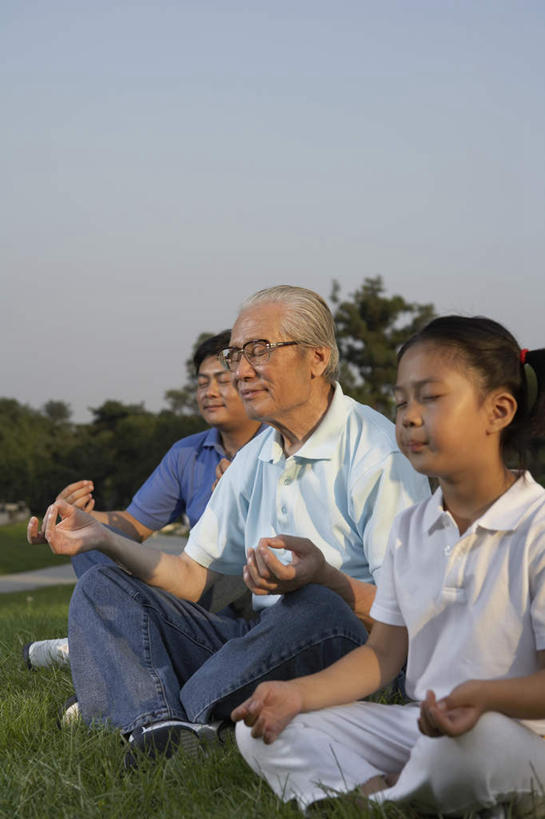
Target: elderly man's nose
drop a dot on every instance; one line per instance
(243, 368)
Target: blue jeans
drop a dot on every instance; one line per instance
(87, 560)
(139, 655)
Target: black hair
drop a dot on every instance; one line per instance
(495, 355)
(210, 347)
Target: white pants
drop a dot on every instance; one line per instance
(327, 752)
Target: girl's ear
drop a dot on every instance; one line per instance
(502, 407)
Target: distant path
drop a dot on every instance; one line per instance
(63, 574)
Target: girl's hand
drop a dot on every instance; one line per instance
(270, 708)
(455, 714)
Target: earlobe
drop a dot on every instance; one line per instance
(503, 407)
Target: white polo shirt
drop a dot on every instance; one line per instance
(473, 604)
(341, 490)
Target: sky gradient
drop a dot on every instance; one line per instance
(162, 160)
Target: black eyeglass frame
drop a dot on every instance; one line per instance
(225, 355)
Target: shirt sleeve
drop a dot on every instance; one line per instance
(160, 499)
(537, 588)
(385, 606)
(380, 494)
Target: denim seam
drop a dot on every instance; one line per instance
(164, 712)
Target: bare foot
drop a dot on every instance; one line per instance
(373, 785)
(391, 779)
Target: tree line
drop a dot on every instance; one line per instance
(41, 450)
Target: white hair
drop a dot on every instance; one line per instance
(307, 319)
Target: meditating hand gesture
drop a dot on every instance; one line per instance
(264, 573)
(455, 714)
(270, 708)
(76, 532)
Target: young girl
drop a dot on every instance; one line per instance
(461, 598)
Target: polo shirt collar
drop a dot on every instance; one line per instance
(212, 440)
(503, 516)
(508, 511)
(322, 443)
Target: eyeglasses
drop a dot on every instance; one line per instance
(256, 352)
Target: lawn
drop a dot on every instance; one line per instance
(16, 555)
(49, 772)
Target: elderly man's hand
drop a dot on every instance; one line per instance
(76, 532)
(265, 574)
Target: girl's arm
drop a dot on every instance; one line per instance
(519, 697)
(360, 673)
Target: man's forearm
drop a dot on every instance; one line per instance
(177, 574)
(356, 593)
(124, 522)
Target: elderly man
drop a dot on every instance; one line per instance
(304, 512)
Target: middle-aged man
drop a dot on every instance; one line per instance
(303, 512)
(181, 484)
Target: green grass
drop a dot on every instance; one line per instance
(16, 555)
(74, 772)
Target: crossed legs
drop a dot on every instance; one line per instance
(333, 751)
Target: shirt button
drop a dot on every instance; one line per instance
(283, 510)
(447, 550)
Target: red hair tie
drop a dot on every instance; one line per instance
(523, 356)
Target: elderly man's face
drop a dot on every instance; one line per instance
(271, 391)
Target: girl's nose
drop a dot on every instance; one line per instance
(411, 415)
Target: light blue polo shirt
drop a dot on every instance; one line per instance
(341, 490)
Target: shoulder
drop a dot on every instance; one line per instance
(187, 446)
(532, 518)
(369, 419)
(410, 527)
(368, 434)
(251, 451)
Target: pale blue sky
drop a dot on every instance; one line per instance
(162, 160)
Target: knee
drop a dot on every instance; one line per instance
(463, 764)
(319, 606)
(99, 583)
(254, 751)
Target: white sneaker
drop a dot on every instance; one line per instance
(165, 737)
(70, 713)
(44, 653)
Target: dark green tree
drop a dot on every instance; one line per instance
(371, 326)
(58, 412)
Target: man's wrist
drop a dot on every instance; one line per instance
(107, 542)
(327, 576)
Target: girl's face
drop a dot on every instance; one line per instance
(442, 420)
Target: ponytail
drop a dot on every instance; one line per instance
(533, 365)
